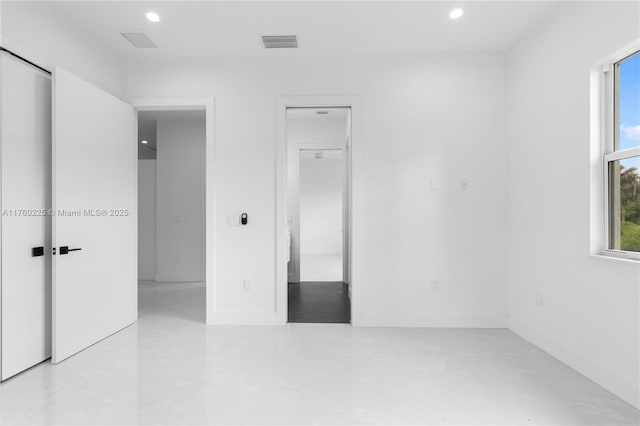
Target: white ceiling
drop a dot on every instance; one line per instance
(217, 28)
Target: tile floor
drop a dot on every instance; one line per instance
(319, 302)
(169, 368)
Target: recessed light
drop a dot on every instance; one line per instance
(153, 17)
(144, 142)
(456, 13)
(322, 112)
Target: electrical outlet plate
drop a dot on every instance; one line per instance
(435, 184)
(464, 184)
(247, 285)
(435, 286)
(539, 301)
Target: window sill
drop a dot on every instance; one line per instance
(614, 258)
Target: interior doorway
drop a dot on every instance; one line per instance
(318, 211)
(171, 214)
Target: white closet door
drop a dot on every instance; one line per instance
(25, 193)
(95, 198)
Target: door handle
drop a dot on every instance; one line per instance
(66, 250)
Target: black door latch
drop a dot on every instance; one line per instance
(66, 250)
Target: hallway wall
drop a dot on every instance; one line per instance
(147, 220)
(180, 196)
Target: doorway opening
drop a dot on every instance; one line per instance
(318, 182)
(171, 214)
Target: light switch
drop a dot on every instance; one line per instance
(233, 221)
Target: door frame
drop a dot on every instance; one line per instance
(208, 104)
(281, 213)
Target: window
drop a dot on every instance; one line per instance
(622, 159)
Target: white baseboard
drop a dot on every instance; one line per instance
(243, 318)
(620, 386)
(453, 320)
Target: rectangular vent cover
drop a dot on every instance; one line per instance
(280, 42)
(139, 40)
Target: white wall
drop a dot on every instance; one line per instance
(46, 36)
(146, 220)
(440, 115)
(321, 185)
(180, 197)
(590, 314)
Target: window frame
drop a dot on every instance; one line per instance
(609, 154)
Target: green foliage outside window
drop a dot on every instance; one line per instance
(630, 211)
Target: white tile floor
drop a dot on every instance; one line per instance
(170, 368)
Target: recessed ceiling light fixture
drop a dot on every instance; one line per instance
(153, 17)
(144, 142)
(322, 112)
(456, 13)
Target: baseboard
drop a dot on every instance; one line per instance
(242, 318)
(454, 320)
(619, 385)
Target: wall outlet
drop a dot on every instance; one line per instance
(435, 286)
(464, 184)
(247, 285)
(435, 184)
(539, 301)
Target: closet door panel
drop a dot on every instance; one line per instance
(25, 198)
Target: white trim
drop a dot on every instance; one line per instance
(282, 103)
(208, 104)
(621, 254)
(602, 150)
(622, 155)
(615, 259)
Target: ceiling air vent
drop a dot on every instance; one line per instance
(280, 42)
(139, 40)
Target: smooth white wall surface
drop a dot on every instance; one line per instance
(321, 185)
(180, 197)
(147, 220)
(440, 115)
(590, 314)
(43, 34)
